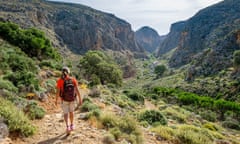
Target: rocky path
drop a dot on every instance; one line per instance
(51, 129)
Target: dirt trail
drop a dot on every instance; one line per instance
(51, 129)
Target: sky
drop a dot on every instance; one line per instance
(157, 14)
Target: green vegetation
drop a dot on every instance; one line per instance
(153, 117)
(187, 134)
(236, 58)
(159, 70)
(99, 68)
(33, 111)
(187, 98)
(123, 127)
(15, 119)
(31, 41)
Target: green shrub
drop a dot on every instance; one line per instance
(32, 41)
(88, 106)
(33, 111)
(160, 69)
(164, 132)
(5, 84)
(15, 119)
(175, 114)
(232, 124)
(108, 139)
(116, 132)
(193, 135)
(94, 113)
(109, 120)
(24, 78)
(210, 126)
(100, 68)
(152, 116)
(209, 115)
(50, 63)
(136, 96)
(236, 58)
(125, 127)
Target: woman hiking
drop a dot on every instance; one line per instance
(67, 89)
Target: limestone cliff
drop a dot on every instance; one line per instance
(72, 26)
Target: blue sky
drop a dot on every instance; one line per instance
(158, 14)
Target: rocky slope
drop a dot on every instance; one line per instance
(172, 39)
(148, 38)
(73, 26)
(210, 38)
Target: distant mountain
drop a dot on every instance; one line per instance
(172, 39)
(148, 38)
(207, 40)
(73, 26)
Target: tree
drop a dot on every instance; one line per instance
(160, 69)
(236, 59)
(97, 65)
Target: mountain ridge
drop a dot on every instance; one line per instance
(73, 26)
(214, 28)
(148, 38)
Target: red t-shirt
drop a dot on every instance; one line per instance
(60, 82)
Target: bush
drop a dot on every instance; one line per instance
(232, 124)
(24, 78)
(98, 67)
(50, 63)
(152, 116)
(108, 139)
(193, 135)
(164, 132)
(5, 84)
(175, 114)
(136, 96)
(88, 106)
(33, 111)
(160, 69)
(32, 41)
(123, 127)
(210, 126)
(209, 115)
(236, 58)
(15, 119)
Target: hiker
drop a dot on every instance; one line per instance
(67, 89)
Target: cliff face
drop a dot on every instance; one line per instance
(208, 39)
(172, 40)
(73, 26)
(148, 38)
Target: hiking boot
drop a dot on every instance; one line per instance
(71, 127)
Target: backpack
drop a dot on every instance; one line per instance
(68, 93)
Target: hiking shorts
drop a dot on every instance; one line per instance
(67, 107)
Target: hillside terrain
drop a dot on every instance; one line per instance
(148, 38)
(73, 26)
(209, 38)
(188, 94)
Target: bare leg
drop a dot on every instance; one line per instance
(66, 119)
(71, 117)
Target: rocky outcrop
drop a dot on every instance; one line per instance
(208, 39)
(73, 26)
(172, 39)
(148, 38)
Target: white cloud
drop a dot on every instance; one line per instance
(158, 14)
